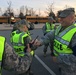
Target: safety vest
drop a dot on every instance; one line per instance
(2, 42)
(11, 36)
(62, 40)
(29, 34)
(49, 27)
(14, 32)
(18, 42)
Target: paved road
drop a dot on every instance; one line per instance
(9, 27)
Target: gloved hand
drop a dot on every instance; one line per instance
(32, 46)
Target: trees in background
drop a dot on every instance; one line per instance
(26, 11)
(50, 10)
(9, 10)
(23, 11)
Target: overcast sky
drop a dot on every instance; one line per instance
(39, 4)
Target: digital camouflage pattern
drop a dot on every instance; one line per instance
(67, 62)
(12, 62)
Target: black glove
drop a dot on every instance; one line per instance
(32, 46)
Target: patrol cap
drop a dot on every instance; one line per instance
(50, 18)
(15, 26)
(23, 22)
(66, 12)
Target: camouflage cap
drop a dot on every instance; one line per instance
(23, 22)
(50, 18)
(66, 12)
(15, 26)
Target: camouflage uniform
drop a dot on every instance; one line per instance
(67, 62)
(44, 28)
(12, 62)
(45, 46)
(26, 40)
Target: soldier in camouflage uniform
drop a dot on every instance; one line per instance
(12, 62)
(16, 25)
(21, 39)
(47, 28)
(64, 42)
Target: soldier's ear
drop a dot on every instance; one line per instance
(25, 27)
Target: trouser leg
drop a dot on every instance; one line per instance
(67, 73)
(51, 49)
(29, 72)
(45, 48)
(66, 69)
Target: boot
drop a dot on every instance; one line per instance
(31, 73)
(52, 54)
(44, 54)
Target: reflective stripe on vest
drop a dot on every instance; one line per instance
(18, 43)
(62, 40)
(2, 41)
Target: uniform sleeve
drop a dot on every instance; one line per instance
(44, 29)
(27, 40)
(11, 61)
(73, 44)
(48, 38)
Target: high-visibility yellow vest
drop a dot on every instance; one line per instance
(2, 42)
(29, 34)
(62, 40)
(14, 32)
(18, 42)
(19, 49)
(11, 36)
(49, 27)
